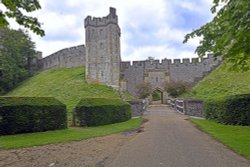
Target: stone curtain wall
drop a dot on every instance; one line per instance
(193, 71)
(188, 71)
(133, 75)
(103, 49)
(69, 57)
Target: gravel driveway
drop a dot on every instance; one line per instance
(86, 153)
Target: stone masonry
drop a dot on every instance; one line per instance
(102, 60)
(103, 49)
(69, 57)
(157, 73)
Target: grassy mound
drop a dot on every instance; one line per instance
(65, 84)
(221, 83)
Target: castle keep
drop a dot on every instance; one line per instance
(103, 49)
(102, 60)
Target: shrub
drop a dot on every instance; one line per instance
(101, 111)
(31, 114)
(176, 88)
(234, 110)
(143, 90)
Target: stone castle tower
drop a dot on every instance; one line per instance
(103, 49)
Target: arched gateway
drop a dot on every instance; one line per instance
(157, 96)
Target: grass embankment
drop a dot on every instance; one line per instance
(65, 84)
(221, 83)
(71, 134)
(235, 137)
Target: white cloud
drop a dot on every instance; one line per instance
(159, 52)
(148, 27)
(171, 34)
(57, 23)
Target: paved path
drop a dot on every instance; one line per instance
(169, 140)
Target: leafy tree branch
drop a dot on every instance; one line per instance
(15, 8)
(228, 34)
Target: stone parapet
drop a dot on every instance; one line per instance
(189, 107)
(112, 18)
(69, 57)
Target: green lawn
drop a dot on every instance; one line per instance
(65, 84)
(235, 137)
(221, 83)
(71, 134)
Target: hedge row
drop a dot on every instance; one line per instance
(31, 114)
(234, 110)
(101, 111)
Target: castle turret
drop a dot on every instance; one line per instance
(103, 49)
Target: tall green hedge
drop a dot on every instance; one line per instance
(233, 110)
(31, 114)
(101, 111)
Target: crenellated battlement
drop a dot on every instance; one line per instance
(68, 57)
(157, 72)
(165, 63)
(111, 18)
(103, 49)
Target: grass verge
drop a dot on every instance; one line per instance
(235, 137)
(71, 134)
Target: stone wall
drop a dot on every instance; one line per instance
(190, 107)
(157, 73)
(194, 108)
(138, 106)
(69, 57)
(133, 75)
(103, 49)
(192, 71)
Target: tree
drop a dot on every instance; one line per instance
(16, 53)
(176, 88)
(228, 34)
(14, 9)
(144, 89)
(150, 58)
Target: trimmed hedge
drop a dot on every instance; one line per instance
(31, 114)
(233, 110)
(101, 111)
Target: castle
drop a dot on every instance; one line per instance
(102, 60)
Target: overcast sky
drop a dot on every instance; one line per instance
(149, 28)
